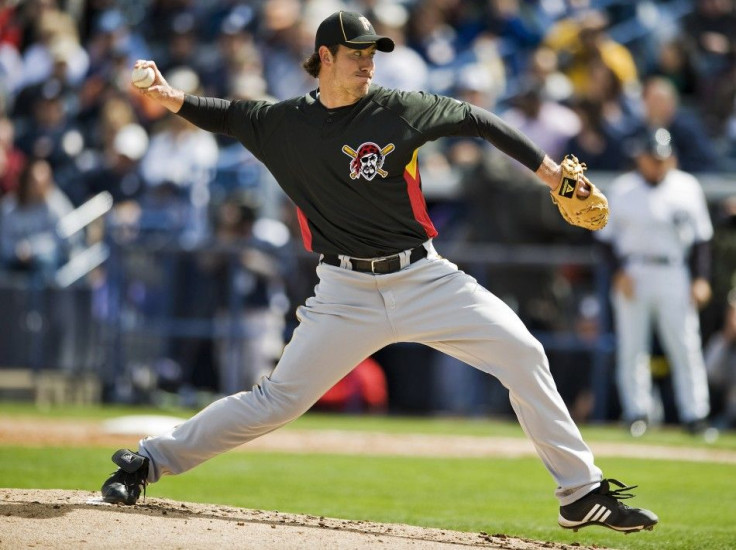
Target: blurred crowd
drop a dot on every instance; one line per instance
(577, 76)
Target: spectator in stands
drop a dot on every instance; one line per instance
(596, 143)
(619, 109)
(482, 69)
(404, 69)
(674, 61)
(118, 171)
(430, 34)
(11, 27)
(27, 95)
(476, 85)
(583, 39)
(111, 37)
(518, 31)
(52, 134)
(237, 54)
(548, 123)
(11, 63)
(284, 45)
(54, 30)
(29, 242)
(709, 33)
(661, 109)
(178, 167)
(730, 137)
(12, 159)
(116, 112)
(182, 45)
(718, 105)
(544, 66)
(720, 361)
(113, 48)
(250, 283)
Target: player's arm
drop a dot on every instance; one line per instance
(579, 201)
(699, 262)
(518, 146)
(510, 141)
(160, 91)
(205, 112)
(700, 254)
(621, 281)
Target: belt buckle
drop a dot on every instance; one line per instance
(373, 264)
(375, 261)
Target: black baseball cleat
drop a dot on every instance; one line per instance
(602, 506)
(124, 486)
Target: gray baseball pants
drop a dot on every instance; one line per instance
(353, 315)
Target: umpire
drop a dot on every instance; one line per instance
(346, 155)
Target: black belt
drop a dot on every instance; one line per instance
(651, 259)
(386, 264)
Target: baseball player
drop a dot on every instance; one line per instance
(346, 154)
(658, 244)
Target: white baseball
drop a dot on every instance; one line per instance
(143, 77)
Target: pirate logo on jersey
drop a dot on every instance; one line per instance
(367, 160)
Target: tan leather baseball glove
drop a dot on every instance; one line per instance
(589, 211)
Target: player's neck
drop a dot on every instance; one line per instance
(334, 97)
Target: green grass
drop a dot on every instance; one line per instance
(389, 424)
(696, 502)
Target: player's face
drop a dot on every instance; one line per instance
(654, 169)
(352, 70)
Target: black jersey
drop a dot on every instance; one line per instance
(352, 172)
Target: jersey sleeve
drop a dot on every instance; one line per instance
(247, 121)
(440, 116)
(207, 113)
(242, 120)
(505, 137)
(433, 115)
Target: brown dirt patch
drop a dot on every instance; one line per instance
(73, 519)
(70, 433)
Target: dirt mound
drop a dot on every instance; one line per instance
(78, 519)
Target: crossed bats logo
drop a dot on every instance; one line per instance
(368, 160)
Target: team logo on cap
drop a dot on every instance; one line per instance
(367, 160)
(366, 23)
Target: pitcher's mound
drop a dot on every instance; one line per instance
(32, 518)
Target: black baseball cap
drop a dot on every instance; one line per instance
(352, 30)
(656, 142)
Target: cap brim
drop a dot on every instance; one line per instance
(383, 43)
(660, 152)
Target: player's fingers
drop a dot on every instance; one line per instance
(583, 188)
(153, 90)
(142, 63)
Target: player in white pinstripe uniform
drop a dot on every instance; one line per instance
(658, 239)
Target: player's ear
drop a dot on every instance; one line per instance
(325, 56)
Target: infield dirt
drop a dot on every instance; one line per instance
(77, 519)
